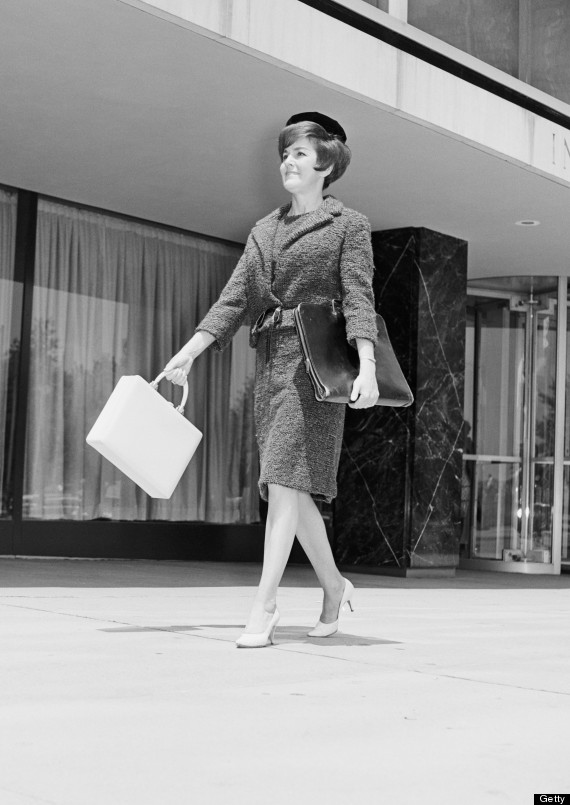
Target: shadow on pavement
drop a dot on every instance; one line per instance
(298, 634)
(286, 634)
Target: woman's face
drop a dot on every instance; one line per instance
(298, 168)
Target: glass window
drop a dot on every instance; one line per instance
(114, 297)
(541, 493)
(10, 305)
(566, 496)
(487, 29)
(550, 54)
(500, 390)
(381, 4)
(566, 516)
(525, 38)
(545, 370)
(496, 526)
(497, 428)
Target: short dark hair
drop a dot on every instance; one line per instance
(330, 150)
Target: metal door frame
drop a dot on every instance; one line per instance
(527, 457)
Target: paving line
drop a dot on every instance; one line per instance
(30, 797)
(167, 629)
(490, 682)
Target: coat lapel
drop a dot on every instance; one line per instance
(263, 234)
(264, 230)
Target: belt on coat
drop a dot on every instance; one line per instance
(271, 319)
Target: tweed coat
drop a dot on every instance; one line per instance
(325, 254)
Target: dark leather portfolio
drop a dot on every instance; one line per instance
(332, 363)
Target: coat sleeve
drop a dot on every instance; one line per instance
(356, 272)
(226, 316)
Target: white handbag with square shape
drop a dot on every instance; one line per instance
(144, 436)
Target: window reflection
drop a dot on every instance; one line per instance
(114, 297)
(9, 343)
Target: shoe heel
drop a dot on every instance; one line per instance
(259, 639)
(347, 595)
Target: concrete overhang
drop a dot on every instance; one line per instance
(121, 105)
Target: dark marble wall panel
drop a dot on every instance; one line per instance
(400, 472)
(440, 362)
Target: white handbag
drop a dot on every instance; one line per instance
(144, 436)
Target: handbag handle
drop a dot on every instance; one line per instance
(180, 408)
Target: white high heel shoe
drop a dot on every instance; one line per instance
(259, 639)
(328, 629)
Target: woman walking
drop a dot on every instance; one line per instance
(313, 249)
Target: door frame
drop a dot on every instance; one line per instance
(554, 567)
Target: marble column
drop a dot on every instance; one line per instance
(398, 506)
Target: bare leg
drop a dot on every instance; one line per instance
(312, 535)
(280, 528)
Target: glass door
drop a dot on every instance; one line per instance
(565, 528)
(510, 424)
(541, 438)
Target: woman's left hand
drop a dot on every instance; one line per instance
(365, 388)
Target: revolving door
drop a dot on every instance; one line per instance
(516, 459)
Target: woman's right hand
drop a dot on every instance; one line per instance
(177, 368)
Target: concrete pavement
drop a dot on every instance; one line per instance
(120, 685)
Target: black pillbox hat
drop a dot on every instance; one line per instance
(329, 125)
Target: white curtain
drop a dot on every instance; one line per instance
(114, 297)
(8, 206)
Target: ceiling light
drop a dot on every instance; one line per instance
(527, 222)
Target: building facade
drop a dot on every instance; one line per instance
(137, 148)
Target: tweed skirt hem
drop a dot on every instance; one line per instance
(264, 491)
(299, 438)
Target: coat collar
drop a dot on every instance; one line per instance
(264, 230)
